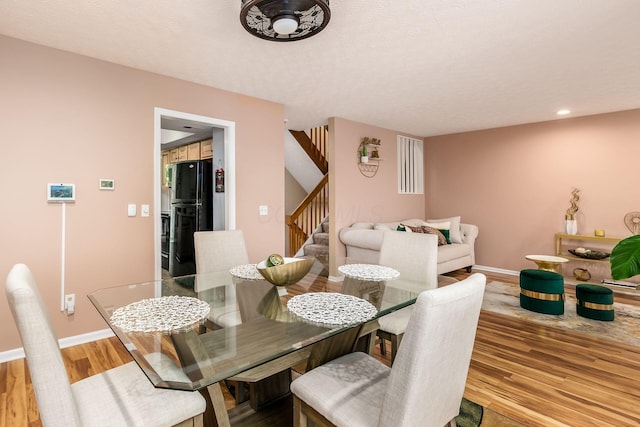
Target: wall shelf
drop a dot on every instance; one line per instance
(369, 168)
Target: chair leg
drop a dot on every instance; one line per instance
(383, 347)
(299, 419)
(395, 344)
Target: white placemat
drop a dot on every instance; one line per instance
(369, 272)
(331, 308)
(246, 271)
(163, 314)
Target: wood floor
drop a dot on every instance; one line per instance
(536, 375)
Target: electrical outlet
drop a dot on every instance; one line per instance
(70, 303)
(264, 210)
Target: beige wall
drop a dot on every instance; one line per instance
(69, 118)
(515, 182)
(355, 198)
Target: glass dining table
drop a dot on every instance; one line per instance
(193, 332)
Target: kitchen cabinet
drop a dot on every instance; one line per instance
(193, 151)
(183, 153)
(206, 149)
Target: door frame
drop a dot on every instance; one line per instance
(229, 130)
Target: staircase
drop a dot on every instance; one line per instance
(319, 245)
(308, 224)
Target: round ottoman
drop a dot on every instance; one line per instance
(594, 302)
(542, 291)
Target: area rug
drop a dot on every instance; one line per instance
(505, 299)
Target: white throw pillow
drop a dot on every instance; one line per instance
(454, 231)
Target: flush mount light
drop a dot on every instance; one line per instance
(284, 20)
(563, 112)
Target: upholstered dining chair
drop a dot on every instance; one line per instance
(119, 396)
(415, 256)
(218, 251)
(425, 385)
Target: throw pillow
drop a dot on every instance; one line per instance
(413, 228)
(430, 230)
(401, 228)
(408, 228)
(455, 234)
(444, 228)
(447, 235)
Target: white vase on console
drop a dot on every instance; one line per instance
(571, 226)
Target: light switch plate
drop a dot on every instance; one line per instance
(131, 209)
(264, 210)
(144, 210)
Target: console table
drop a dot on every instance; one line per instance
(564, 242)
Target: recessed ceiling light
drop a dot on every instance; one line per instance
(563, 112)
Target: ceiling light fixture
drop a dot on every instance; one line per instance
(284, 20)
(563, 112)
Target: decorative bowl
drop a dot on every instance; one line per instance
(288, 273)
(589, 254)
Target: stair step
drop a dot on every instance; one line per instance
(321, 238)
(325, 226)
(314, 249)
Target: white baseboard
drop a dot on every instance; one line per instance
(18, 353)
(496, 270)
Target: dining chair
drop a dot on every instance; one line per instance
(119, 396)
(415, 256)
(218, 251)
(425, 385)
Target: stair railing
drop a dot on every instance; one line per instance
(316, 146)
(308, 215)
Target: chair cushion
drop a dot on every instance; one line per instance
(348, 391)
(125, 396)
(396, 322)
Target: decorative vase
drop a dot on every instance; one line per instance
(364, 159)
(571, 226)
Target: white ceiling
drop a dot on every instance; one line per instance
(424, 67)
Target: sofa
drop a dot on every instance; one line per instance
(363, 240)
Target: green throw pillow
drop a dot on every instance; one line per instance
(447, 235)
(401, 228)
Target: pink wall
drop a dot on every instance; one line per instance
(69, 118)
(355, 198)
(515, 182)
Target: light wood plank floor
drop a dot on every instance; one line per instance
(533, 374)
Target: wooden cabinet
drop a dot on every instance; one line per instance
(206, 149)
(183, 153)
(193, 151)
(173, 155)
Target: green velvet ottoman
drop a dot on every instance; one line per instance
(542, 291)
(594, 302)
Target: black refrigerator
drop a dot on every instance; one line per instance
(191, 211)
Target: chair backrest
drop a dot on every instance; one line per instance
(428, 377)
(219, 250)
(48, 374)
(414, 255)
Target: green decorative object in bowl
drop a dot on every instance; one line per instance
(288, 273)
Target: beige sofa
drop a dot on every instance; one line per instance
(363, 241)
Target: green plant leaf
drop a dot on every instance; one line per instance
(625, 258)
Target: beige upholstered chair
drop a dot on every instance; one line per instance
(120, 396)
(415, 256)
(425, 385)
(218, 251)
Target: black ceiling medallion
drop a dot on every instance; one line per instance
(284, 20)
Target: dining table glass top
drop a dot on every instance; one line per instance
(190, 332)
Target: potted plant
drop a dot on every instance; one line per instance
(625, 258)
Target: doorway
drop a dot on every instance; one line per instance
(224, 133)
